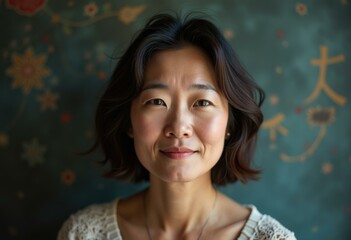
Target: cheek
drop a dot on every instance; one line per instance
(212, 131)
(145, 127)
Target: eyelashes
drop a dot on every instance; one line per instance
(203, 103)
(156, 102)
(159, 102)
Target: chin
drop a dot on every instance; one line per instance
(180, 177)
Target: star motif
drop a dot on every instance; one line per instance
(47, 100)
(33, 152)
(28, 71)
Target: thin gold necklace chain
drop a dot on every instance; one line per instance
(202, 228)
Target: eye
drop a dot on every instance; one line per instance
(202, 103)
(156, 102)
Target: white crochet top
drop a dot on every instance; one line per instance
(99, 222)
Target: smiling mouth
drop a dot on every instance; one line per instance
(178, 153)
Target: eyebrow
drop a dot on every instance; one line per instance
(199, 86)
(202, 86)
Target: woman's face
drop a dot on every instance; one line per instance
(179, 119)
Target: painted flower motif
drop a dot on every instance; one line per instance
(90, 9)
(320, 116)
(68, 177)
(26, 7)
(33, 152)
(28, 71)
(301, 9)
(129, 14)
(48, 100)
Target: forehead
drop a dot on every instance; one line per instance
(187, 64)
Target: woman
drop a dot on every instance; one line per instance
(181, 113)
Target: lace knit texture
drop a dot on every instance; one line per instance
(99, 222)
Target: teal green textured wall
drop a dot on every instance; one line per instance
(55, 62)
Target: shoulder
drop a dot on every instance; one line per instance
(96, 221)
(263, 227)
(270, 228)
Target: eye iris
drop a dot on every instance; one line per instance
(203, 103)
(158, 102)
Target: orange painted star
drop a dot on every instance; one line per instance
(48, 100)
(28, 71)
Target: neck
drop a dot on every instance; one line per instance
(179, 207)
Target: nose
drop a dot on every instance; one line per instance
(179, 124)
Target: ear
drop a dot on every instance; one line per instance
(130, 133)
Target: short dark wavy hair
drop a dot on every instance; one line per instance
(164, 32)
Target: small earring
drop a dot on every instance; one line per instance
(228, 134)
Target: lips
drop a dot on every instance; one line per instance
(178, 153)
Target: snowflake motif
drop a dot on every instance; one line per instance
(129, 14)
(48, 100)
(28, 71)
(90, 9)
(33, 152)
